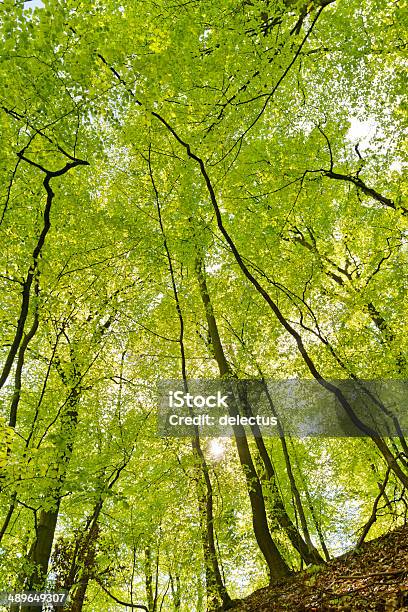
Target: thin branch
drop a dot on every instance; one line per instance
(119, 601)
(373, 516)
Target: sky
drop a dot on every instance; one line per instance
(32, 4)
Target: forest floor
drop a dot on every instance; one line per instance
(374, 577)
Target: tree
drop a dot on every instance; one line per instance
(196, 191)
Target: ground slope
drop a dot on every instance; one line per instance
(375, 577)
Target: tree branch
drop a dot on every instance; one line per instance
(119, 601)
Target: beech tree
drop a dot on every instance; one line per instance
(195, 190)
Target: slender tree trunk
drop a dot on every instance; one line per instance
(9, 515)
(78, 598)
(36, 255)
(306, 549)
(175, 592)
(151, 603)
(20, 364)
(82, 567)
(85, 562)
(216, 591)
(275, 562)
(41, 547)
(311, 507)
(311, 555)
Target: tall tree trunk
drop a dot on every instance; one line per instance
(175, 592)
(40, 550)
(312, 510)
(41, 547)
(78, 598)
(311, 555)
(35, 259)
(276, 564)
(151, 600)
(216, 591)
(85, 564)
(82, 566)
(306, 549)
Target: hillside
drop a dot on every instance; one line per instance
(372, 578)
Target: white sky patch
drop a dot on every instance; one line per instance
(213, 268)
(397, 165)
(362, 132)
(33, 4)
(204, 35)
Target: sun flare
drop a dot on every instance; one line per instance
(217, 449)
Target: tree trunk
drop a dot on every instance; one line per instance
(276, 564)
(151, 603)
(305, 547)
(176, 592)
(216, 590)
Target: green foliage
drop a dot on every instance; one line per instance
(297, 115)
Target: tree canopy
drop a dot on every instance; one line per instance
(194, 190)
